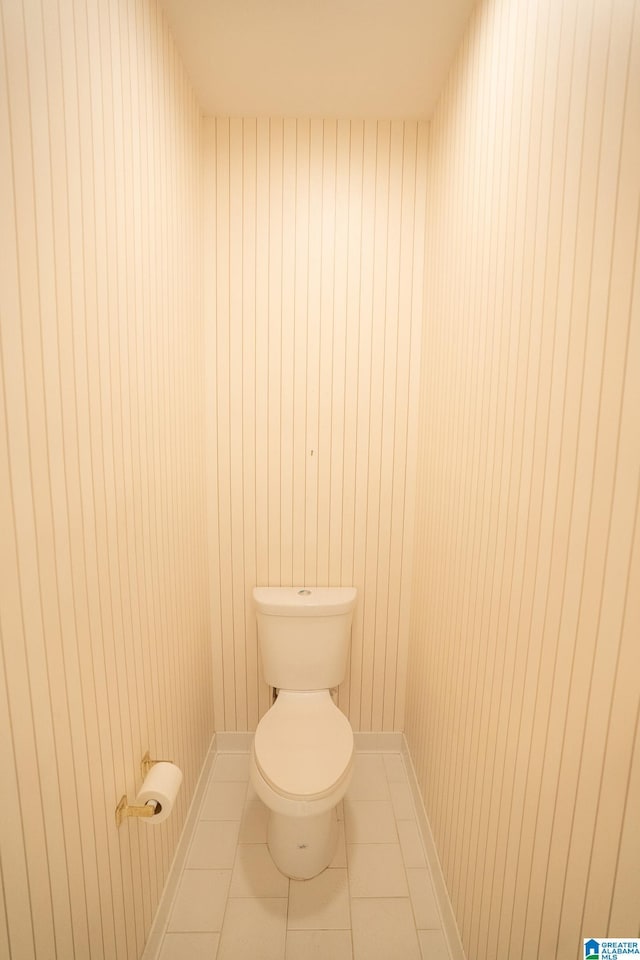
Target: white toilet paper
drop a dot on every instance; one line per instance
(161, 785)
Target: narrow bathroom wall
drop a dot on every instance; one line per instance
(103, 598)
(524, 664)
(314, 265)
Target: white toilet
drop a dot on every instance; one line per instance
(302, 752)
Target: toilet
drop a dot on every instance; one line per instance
(302, 752)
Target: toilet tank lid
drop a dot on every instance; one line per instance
(304, 601)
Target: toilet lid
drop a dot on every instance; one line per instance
(304, 744)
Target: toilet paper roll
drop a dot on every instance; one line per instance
(161, 787)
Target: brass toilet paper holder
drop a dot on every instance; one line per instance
(124, 809)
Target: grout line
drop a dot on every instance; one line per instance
(231, 741)
(432, 867)
(449, 924)
(153, 944)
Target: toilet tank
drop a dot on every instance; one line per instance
(304, 635)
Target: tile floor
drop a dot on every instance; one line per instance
(375, 902)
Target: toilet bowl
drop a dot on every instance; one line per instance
(301, 764)
(302, 753)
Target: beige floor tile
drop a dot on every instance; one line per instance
(376, 870)
(340, 857)
(383, 930)
(213, 845)
(433, 945)
(369, 780)
(189, 946)
(423, 900)
(231, 766)
(223, 801)
(321, 903)
(255, 874)
(251, 793)
(199, 901)
(318, 945)
(411, 844)
(394, 768)
(255, 818)
(370, 821)
(232, 899)
(254, 929)
(402, 801)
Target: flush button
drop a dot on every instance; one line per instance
(304, 593)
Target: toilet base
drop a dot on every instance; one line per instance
(302, 847)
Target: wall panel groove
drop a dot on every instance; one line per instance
(319, 259)
(525, 574)
(103, 594)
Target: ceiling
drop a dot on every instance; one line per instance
(318, 58)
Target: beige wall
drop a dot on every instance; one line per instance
(524, 662)
(314, 258)
(522, 690)
(103, 602)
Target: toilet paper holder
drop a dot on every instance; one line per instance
(148, 809)
(146, 763)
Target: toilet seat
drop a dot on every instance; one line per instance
(303, 746)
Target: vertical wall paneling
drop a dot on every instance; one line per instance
(103, 595)
(318, 266)
(522, 693)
